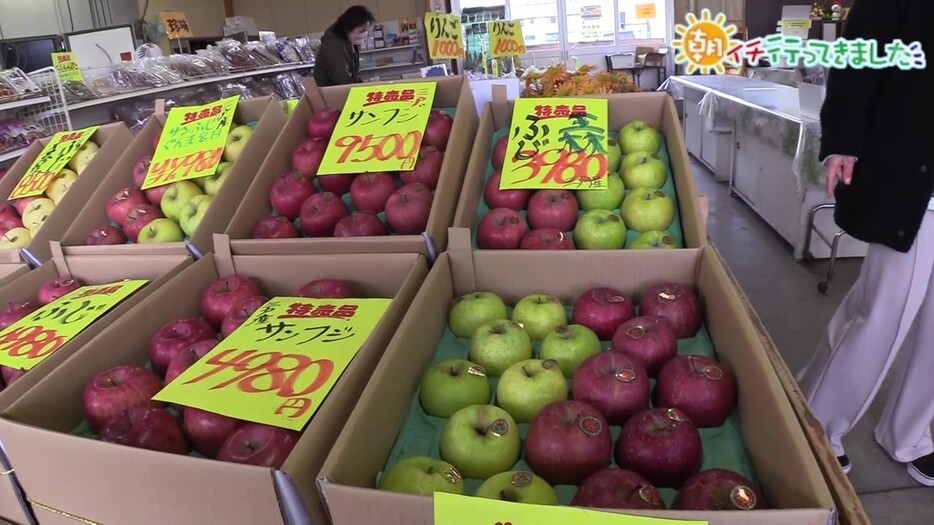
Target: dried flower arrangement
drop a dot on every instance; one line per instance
(559, 81)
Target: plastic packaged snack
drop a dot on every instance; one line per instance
(16, 134)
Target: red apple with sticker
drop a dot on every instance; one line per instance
(154, 195)
(675, 302)
(326, 289)
(427, 168)
(223, 294)
(8, 222)
(698, 386)
(661, 444)
(547, 239)
(261, 445)
(371, 191)
(240, 313)
(274, 227)
(55, 288)
(603, 310)
(146, 427)
(616, 488)
(438, 130)
(105, 235)
(121, 202)
(208, 431)
(321, 213)
(115, 390)
(307, 155)
(8, 210)
(187, 357)
(13, 312)
(501, 229)
(649, 340)
(614, 384)
(138, 218)
(568, 441)
(499, 198)
(553, 209)
(140, 169)
(22, 204)
(499, 152)
(173, 338)
(360, 224)
(719, 489)
(408, 209)
(288, 192)
(322, 123)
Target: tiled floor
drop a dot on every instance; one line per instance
(784, 293)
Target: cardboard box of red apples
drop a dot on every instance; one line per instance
(201, 467)
(122, 219)
(291, 209)
(650, 200)
(31, 222)
(636, 384)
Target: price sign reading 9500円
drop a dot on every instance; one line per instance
(557, 143)
(25, 343)
(380, 129)
(54, 157)
(445, 40)
(280, 364)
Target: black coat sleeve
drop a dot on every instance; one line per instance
(850, 92)
(338, 63)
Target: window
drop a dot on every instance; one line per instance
(590, 22)
(539, 22)
(642, 20)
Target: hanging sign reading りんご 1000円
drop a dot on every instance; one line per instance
(25, 343)
(379, 129)
(56, 154)
(506, 39)
(280, 364)
(557, 143)
(445, 40)
(192, 143)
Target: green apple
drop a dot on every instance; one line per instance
(422, 476)
(60, 185)
(608, 198)
(539, 314)
(646, 209)
(452, 385)
(470, 311)
(496, 345)
(236, 141)
(213, 183)
(160, 230)
(527, 386)
(480, 441)
(193, 212)
(600, 230)
(518, 486)
(83, 157)
(654, 239)
(638, 135)
(174, 198)
(15, 238)
(613, 156)
(569, 346)
(644, 170)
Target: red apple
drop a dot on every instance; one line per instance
(154, 195)
(499, 152)
(138, 218)
(661, 444)
(677, 303)
(322, 123)
(360, 224)
(496, 198)
(438, 130)
(22, 204)
(336, 184)
(501, 229)
(427, 168)
(118, 389)
(613, 384)
(256, 444)
(187, 357)
(321, 213)
(240, 313)
(370, 191)
(208, 431)
(120, 203)
(8, 210)
(274, 227)
(408, 209)
(173, 338)
(11, 375)
(700, 387)
(146, 427)
(615, 488)
(289, 192)
(603, 310)
(649, 340)
(307, 155)
(568, 441)
(8, 222)
(14, 312)
(553, 209)
(105, 235)
(719, 489)
(547, 239)
(55, 288)
(140, 169)
(223, 294)
(326, 289)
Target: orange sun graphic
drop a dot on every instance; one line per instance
(704, 43)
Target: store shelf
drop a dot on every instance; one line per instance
(10, 155)
(387, 49)
(23, 103)
(392, 66)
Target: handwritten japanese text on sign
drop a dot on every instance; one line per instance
(192, 143)
(557, 143)
(379, 129)
(67, 67)
(176, 24)
(506, 39)
(454, 509)
(279, 366)
(25, 343)
(56, 154)
(645, 11)
(445, 40)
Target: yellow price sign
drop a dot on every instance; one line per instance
(445, 39)
(290, 105)
(25, 343)
(278, 366)
(645, 11)
(56, 154)
(176, 24)
(192, 142)
(796, 23)
(454, 509)
(379, 129)
(557, 143)
(67, 67)
(506, 39)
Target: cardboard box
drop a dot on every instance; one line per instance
(113, 140)
(776, 445)
(11, 271)
(452, 92)
(655, 108)
(271, 118)
(143, 487)
(87, 269)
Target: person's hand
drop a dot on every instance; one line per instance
(839, 167)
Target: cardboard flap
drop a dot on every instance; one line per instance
(160, 106)
(223, 258)
(463, 274)
(58, 258)
(313, 92)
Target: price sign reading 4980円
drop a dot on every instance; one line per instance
(380, 129)
(54, 157)
(280, 364)
(25, 343)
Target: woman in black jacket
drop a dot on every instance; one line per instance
(338, 58)
(877, 140)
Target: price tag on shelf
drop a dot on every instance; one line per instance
(25, 343)
(379, 129)
(278, 366)
(56, 154)
(67, 67)
(176, 24)
(445, 39)
(506, 39)
(192, 142)
(557, 143)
